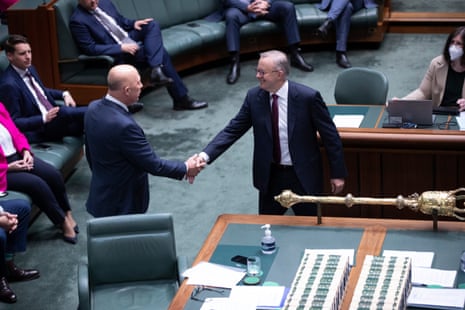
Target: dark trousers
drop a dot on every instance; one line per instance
(154, 54)
(15, 241)
(282, 179)
(280, 12)
(45, 185)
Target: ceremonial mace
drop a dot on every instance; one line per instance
(435, 203)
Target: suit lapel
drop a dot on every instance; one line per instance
(263, 98)
(22, 85)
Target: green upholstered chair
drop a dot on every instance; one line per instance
(132, 263)
(361, 86)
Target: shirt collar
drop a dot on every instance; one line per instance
(116, 101)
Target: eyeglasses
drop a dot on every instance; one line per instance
(262, 73)
(202, 288)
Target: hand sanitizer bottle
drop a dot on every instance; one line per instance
(268, 241)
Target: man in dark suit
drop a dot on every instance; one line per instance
(287, 150)
(240, 12)
(99, 29)
(118, 152)
(339, 14)
(14, 222)
(31, 105)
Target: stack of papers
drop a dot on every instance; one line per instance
(347, 120)
(422, 273)
(437, 298)
(215, 275)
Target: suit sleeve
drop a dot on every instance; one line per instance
(330, 137)
(11, 96)
(240, 5)
(139, 152)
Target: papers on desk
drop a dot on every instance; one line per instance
(249, 298)
(422, 273)
(436, 298)
(419, 259)
(343, 252)
(348, 120)
(209, 274)
(461, 120)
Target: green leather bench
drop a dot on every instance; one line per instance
(190, 39)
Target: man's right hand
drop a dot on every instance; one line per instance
(130, 48)
(51, 114)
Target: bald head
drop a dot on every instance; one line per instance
(124, 83)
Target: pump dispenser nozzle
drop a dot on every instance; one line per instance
(268, 241)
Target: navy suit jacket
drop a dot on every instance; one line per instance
(307, 116)
(120, 157)
(20, 102)
(91, 36)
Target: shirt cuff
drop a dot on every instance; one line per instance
(205, 156)
(65, 93)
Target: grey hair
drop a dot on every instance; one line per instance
(280, 60)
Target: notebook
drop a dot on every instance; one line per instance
(419, 112)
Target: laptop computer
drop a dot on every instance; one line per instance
(419, 112)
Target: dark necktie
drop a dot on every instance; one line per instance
(43, 99)
(112, 27)
(275, 129)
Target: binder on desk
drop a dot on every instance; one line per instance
(437, 298)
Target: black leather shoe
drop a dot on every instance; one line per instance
(234, 72)
(299, 62)
(133, 108)
(342, 60)
(323, 30)
(16, 274)
(6, 294)
(158, 78)
(188, 103)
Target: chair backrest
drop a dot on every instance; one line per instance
(361, 86)
(128, 248)
(67, 47)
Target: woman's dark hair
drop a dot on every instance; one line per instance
(460, 31)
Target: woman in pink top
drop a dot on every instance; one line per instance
(21, 171)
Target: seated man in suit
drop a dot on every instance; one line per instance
(99, 29)
(240, 12)
(32, 105)
(339, 14)
(14, 221)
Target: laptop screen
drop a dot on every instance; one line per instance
(418, 112)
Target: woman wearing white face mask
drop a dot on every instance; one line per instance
(444, 82)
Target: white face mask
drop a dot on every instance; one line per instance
(455, 52)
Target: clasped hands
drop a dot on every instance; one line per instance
(259, 7)
(194, 165)
(8, 221)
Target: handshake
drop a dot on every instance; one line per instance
(194, 165)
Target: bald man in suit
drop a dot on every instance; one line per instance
(339, 15)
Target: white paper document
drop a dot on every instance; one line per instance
(226, 304)
(461, 120)
(263, 297)
(209, 274)
(419, 258)
(432, 276)
(348, 120)
(343, 252)
(437, 298)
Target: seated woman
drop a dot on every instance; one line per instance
(34, 177)
(14, 221)
(444, 82)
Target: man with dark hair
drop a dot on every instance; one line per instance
(31, 105)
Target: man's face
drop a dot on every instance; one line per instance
(134, 87)
(89, 5)
(21, 57)
(269, 78)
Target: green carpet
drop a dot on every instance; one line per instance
(225, 186)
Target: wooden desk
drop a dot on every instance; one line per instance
(386, 162)
(371, 243)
